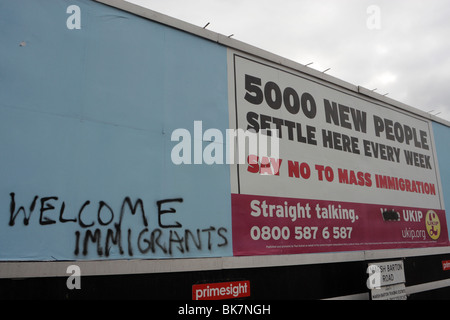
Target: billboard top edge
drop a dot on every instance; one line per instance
(247, 48)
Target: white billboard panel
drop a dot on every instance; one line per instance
(356, 150)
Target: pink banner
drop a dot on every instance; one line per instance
(265, 225)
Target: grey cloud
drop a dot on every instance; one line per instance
(408, 57)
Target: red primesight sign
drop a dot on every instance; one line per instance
(221, 291)
(446, 265)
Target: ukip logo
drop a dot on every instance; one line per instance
(433, 225)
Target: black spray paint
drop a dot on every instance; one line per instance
(103, 233)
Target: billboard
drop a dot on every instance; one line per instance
(110, 145)
(350, 174)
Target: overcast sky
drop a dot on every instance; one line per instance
(399, 47)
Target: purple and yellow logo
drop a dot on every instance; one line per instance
(433, 225)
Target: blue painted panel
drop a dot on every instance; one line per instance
(86, 118)
(441, 138)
